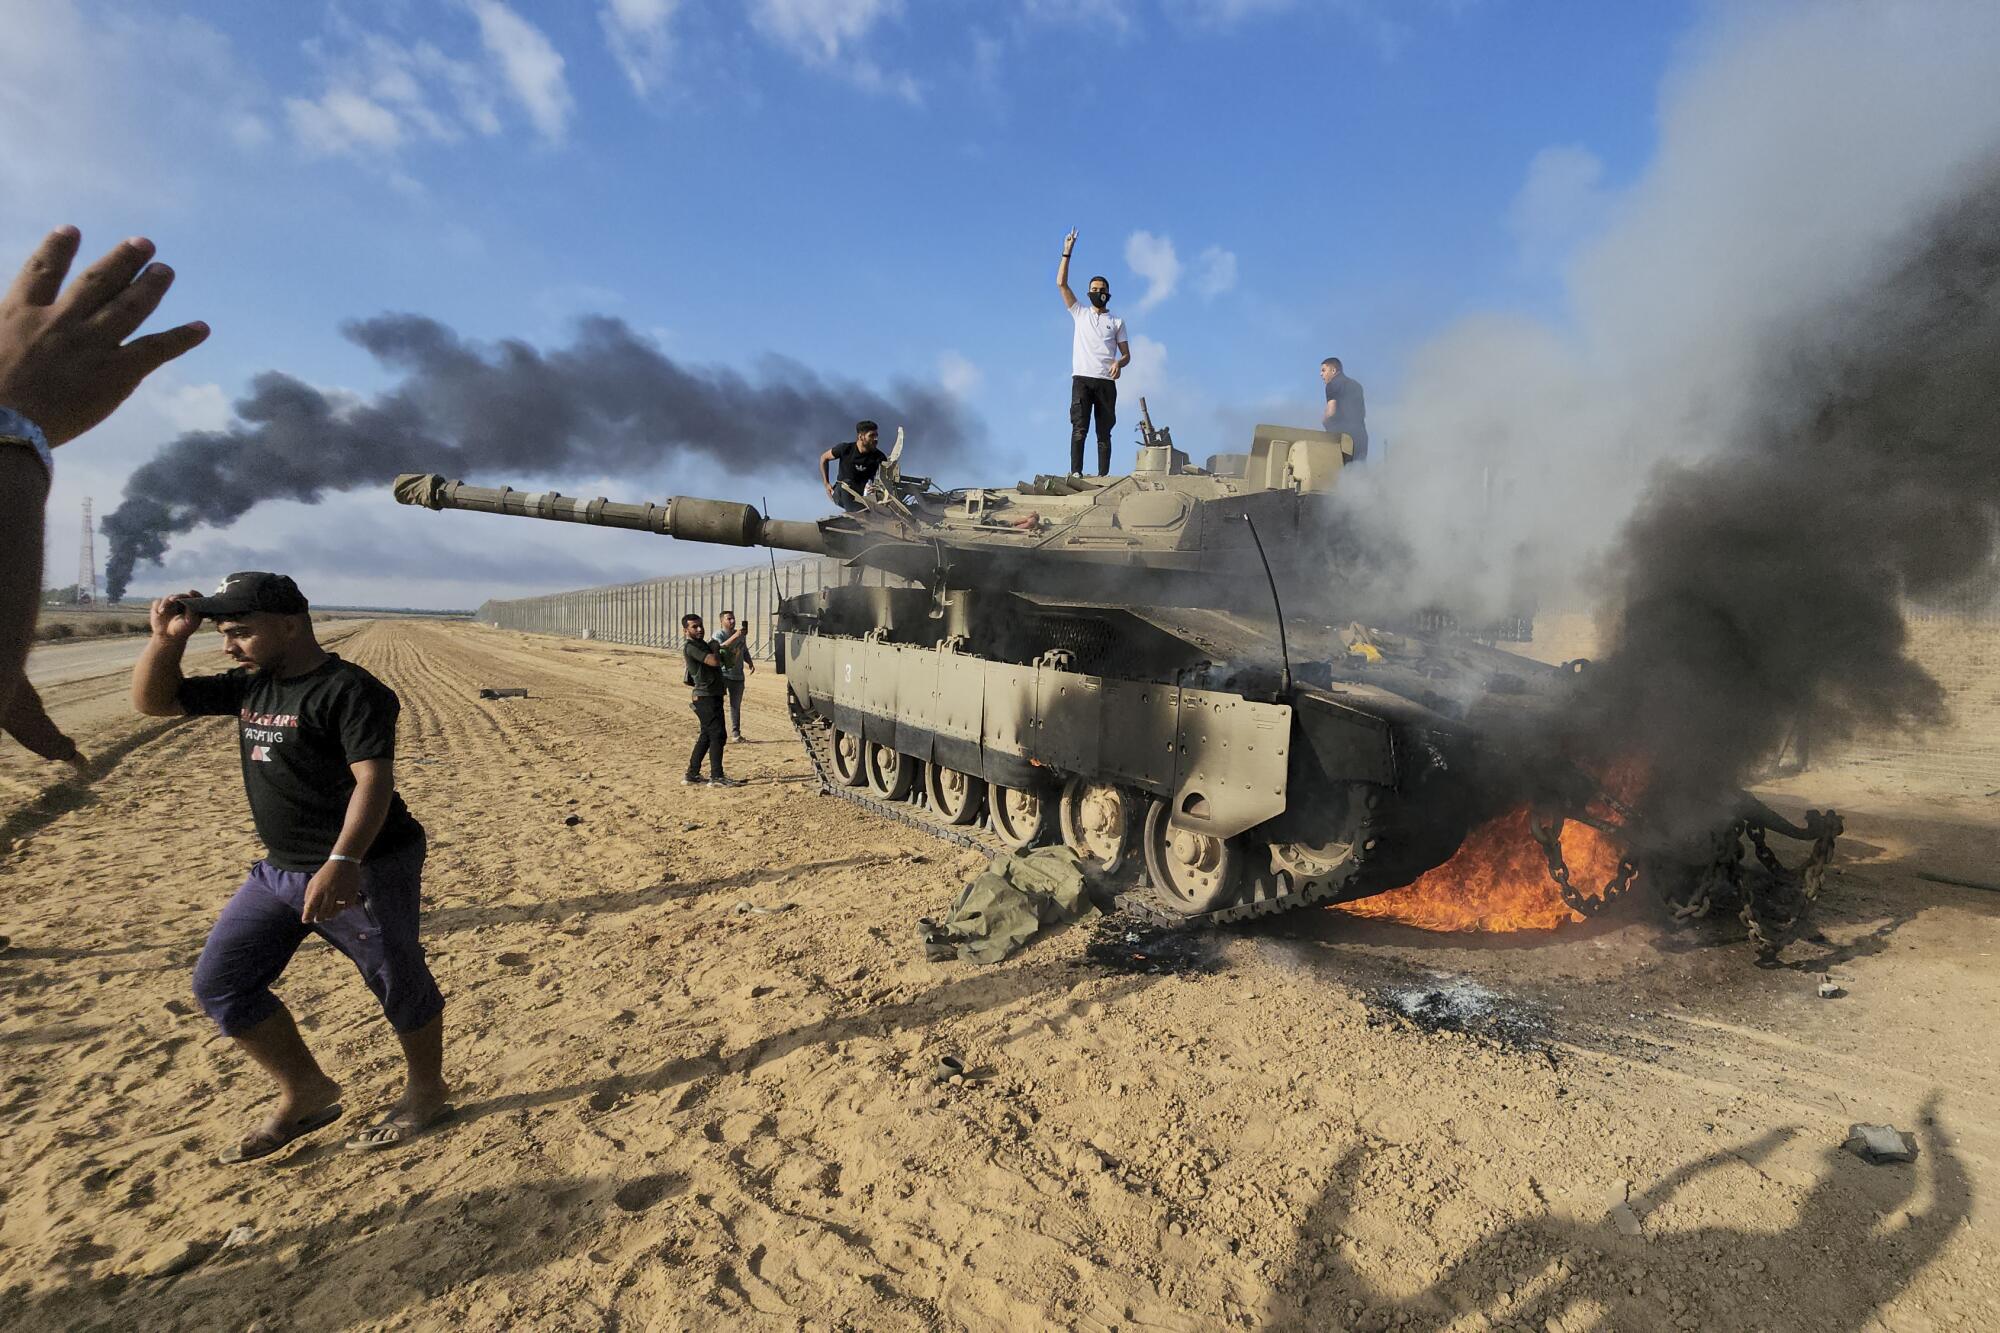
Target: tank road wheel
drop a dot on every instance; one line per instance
(1099, 823)
(1021, 818)
(1192, 872)
(847, 756)
(1311, 859)
(891, 774)
(957, 798)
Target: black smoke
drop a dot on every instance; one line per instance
(610, 401)
(1763, 589)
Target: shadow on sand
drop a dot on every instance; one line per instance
(1862, 1234)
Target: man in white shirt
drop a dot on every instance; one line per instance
(1097, 353)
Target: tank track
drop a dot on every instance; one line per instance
(1269, 891)
(814, 731)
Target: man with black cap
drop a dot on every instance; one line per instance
(343, 857)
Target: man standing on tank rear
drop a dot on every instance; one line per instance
(343, 857)
(1098, 352)
(1346, 411)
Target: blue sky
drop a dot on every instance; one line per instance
(875, 189)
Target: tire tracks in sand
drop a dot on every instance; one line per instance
(675, 1115)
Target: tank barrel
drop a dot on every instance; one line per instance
(718, 522)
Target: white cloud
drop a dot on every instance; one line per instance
(640, 35)
(828, 33)
(380, 95)
(818, 30)
(1153, 258)
(115, 111)
(959, 376)
(1562, 200)
(343, 121)
(188, 407)
(531, 66)
(1144, 378)
(249, 130)
(1215, 272)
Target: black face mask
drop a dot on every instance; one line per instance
(1100, 299)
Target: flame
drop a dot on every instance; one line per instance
(1498, 880)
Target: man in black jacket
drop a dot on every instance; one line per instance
(704, 681)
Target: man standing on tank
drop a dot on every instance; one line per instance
(704, 682)
(1345, 410)
(859, 460)
(1098, 352)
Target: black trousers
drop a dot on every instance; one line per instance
(733, 688)
(1089, 394)
(708, 712)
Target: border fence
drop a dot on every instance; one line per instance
(650, 612)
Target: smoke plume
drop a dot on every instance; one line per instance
(1768, 415)
(1763, 588)
(1798, 145)
(609, 401)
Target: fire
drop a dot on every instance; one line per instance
(1499, 881)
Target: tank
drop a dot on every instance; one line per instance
(1160, 669)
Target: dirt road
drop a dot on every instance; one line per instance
(59, 663)
(673, 1113)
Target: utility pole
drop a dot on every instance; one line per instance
(86, 579)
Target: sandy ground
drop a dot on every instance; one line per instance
(673, 1114)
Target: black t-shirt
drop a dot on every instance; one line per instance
(857, 469)
(703, 679)
(1352, 414)
(298, 737)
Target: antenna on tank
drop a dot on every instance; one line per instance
(777, 592)
(1284, 651)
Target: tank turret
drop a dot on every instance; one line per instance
(1165, 534)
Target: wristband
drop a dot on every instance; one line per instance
(337, 856)
(17, 429)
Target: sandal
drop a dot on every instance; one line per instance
(263, 1141)
(395, 1130)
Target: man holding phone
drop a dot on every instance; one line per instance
(343, 856)
(733, 651)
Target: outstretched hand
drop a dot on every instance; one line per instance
(1069, 241)
(64, 361)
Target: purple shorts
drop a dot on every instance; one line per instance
(259, 931)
